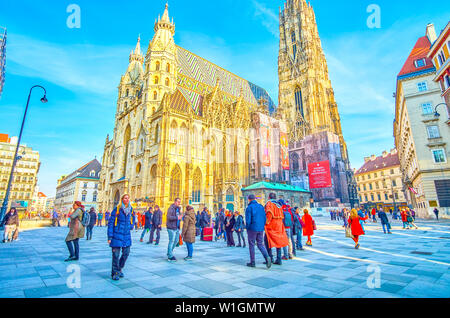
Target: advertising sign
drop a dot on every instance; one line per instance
(284, 143)
(319, 175)
(265, 137)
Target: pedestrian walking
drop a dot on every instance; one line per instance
(355, 226)
(374, 213)
(298, 229)
(404, 216)
(156, 226)
(410, 219)
(229, 228)
(203, 222)
(188, 231)
(436, 212)
(92, 222)
(255, 221)
(76, 232)
(107, 217)
(174, 217)
(197, 224)
(120, 225)
(288, 225)
(384, 222)
(11, 224)
(275, 232)
(100, 219)
(55, 218)
(147, 223)
(239, 228)
(308, 228)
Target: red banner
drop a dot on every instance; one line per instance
(319, 175)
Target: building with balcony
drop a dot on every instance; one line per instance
(380, 182)
(25, 174)
(421, 138)
(440, 56)
(81, 185)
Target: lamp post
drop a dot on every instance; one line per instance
(436, 114)
(393, 196)
(15, 159)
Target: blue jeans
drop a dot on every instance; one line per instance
(146, 230)
(190, 248)
(288, 250)
(386, 228)
(173, 240)
(89, 232)
(118, 261)
(299, 240)
(256, 237)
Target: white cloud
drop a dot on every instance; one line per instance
(268, 18)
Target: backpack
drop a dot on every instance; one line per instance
(86, 219)
(287, 219)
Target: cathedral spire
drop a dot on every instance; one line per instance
(136, 54)
(164, 22)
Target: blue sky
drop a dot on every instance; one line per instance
(81, 68)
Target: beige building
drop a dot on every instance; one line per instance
(25, 174)
(81, 185)
(422, 138)
(380, 182)
(39, 203)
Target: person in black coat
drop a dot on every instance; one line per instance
(92, 222)
(148, 223)
(197, 223)
(384, 222)
(204, 222)
(230, 221)
(156, 225)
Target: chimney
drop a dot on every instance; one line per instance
(431, 33)
(366, 159)
(385, 153)
(373, 157)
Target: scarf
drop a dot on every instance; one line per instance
(126, 210)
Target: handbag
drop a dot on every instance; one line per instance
(180, 240)
(314, 225)
(348, 232)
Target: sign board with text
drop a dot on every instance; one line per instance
(319, 175)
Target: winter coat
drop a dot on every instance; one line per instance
(157, 219)
(229, 223)
(92, 219)
(172, 222)
(239, 225)
(107, 216)
(308, 228)
(100, 216)
(255, 217)
(197, 220)
(404, 216)
(76, 229)
(188, 232)
(298, 224)
(383, 217)
(119, 228)
(148, 219)
(275, 230)
(356, 226)
(11, 219)
(204, 219)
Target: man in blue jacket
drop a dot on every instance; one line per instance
(148, 223)
(174, 217)
(255, 220)
(156, 225)
(119, 235)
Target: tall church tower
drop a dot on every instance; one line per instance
(160, 63)
(306, 97)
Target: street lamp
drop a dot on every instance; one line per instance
(16, 158)
(436, 114)
(393, 195)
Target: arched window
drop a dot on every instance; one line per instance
(83, 196)
(116, 198)
(156, 80)
(126, 142)
(153, 181)
(230, 195)
(295, 162)
(293, 38)
(94, 197)
(299, 101)
(173, 132)
(167, 82)
(127, 93)
(138, 168)
(175, 183)
(155, 95)
(126, 105)
(183, 139)
(156, 134)
(92, 174)
(294, 45)
(158, 65)
(197, 186)
(168, 67)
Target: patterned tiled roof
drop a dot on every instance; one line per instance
(420, 51)
(201, 70)
(179, 102)
(391, 160)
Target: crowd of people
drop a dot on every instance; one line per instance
(274, 227)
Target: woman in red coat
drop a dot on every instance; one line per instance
(308, 229)
(355, 226)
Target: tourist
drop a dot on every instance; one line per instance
(197, 224)
(404, 216)
(384, 222)
(120, 225)
(136, 216)
(308, 228)
(147, 223)
(174, 217)
(203, 222)
(331, 215)
(298, 229)
(410, 220)
(229, 228)
(222, 218)
(156, 225)
(188, 232)
(239, 227)
(374, 213)
(100, 219)
(92, 221)
(107, 216)
(275, 232)
(288, 225)
(413, 214)
(11, 224)
(356, 228)
(76, 231)
(216, 226)
(255, 220)
(436, 212)
(55, 218)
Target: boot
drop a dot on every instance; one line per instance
(268, 262)
(251, 265)
(278, 262)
